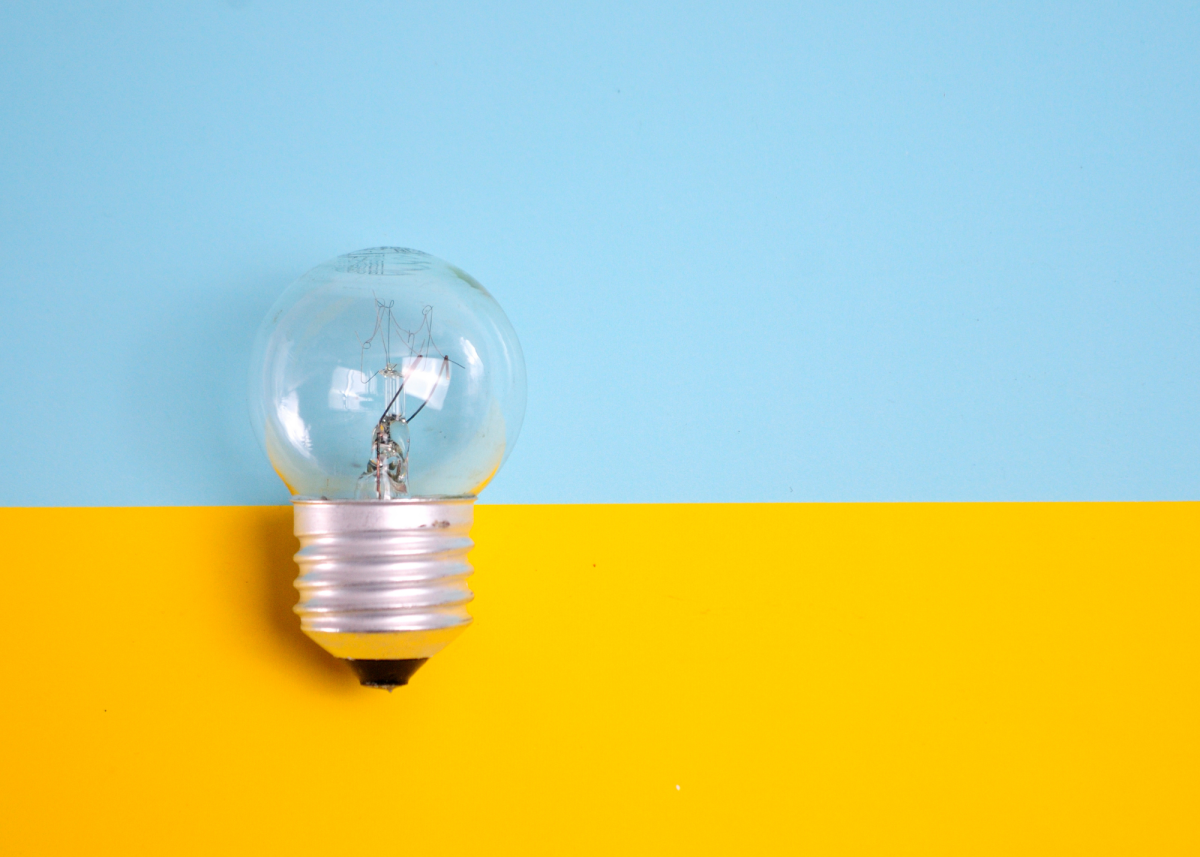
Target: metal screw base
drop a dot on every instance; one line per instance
(384, 581)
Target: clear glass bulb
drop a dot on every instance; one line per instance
(387, 374)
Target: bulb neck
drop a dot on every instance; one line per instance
(383, 583)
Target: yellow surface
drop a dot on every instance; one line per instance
(824, 679)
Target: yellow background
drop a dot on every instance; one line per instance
(826, 679)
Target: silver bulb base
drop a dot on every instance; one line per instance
(384, 580)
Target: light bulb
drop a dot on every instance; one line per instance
(387, 388)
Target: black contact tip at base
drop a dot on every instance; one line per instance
(385, 674)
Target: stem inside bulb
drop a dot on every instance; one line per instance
(387, 472)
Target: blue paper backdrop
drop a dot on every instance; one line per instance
(755, 253)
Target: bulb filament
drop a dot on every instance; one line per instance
(387, 471)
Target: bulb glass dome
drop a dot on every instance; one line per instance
(387, 374)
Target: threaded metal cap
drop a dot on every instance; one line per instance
(384, 581)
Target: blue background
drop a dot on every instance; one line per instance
(767, 253)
